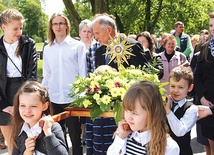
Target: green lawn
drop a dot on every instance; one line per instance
(39, 69)
(39, 46)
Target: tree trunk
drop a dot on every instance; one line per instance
(100, 6)
(75, 17)
(148, 15)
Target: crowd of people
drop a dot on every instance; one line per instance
(26, 105)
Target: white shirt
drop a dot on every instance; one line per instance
(34, 131)
(61, 64)
(12, 71)
(186, 123)
(118, 147)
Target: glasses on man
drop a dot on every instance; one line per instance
(58, 24)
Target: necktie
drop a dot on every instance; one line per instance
(107, 59)
(173, 106)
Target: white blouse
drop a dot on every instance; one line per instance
(118, 147)
(12, 71)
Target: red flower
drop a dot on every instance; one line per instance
(117, 84)
(96, 89)
(89, 91)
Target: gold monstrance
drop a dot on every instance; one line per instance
(119, 51)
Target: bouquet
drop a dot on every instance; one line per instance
(104, 89)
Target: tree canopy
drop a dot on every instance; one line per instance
(155, 16)
(35, 19)
(132, 16)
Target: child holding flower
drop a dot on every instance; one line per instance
(144, 113)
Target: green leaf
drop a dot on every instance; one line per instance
(95, 112)
(118, 112)
(105, 107)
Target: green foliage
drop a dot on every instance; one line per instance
(133, 16)
(2, 7)
(35, 19)
(36, 38)
(155, 16)
(162, 15)
(84, 10)
(39, 69)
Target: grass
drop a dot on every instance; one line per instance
(39, 69)
(39, 46)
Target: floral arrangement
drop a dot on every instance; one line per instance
(104, 89)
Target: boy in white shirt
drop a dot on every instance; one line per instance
(181, 114)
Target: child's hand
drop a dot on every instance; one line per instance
(48, 122)
(123, 132)
(168, 104)
(30, 144)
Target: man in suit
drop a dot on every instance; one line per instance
(99, 133)
(104, 27)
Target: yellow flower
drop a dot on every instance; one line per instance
(110, 84)
(86, 103)
(77, 82)
(106, 99)
(122, 91)
(94, 84)
(114, 92)
(96, 96)
(76, 91)
(98, 78)
(147, 77)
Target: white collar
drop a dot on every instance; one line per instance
(34, 131)
(15, 44)
(181, 102)
(141, 137)
(66, 40)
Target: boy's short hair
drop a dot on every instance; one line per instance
(182, 72)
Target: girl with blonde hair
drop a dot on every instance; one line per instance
(146, 117)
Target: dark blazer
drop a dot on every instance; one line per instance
(204, 76)
(53, 144)
(29, 63)
(137, 50)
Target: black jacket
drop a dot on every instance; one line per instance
(53, 144)
(29, 63)
(204, 75)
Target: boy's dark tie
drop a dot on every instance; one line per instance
(173, 106)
